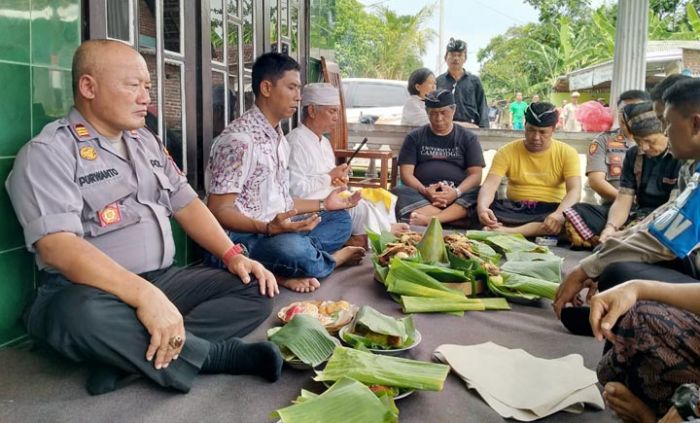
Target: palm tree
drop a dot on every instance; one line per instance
(404, 40)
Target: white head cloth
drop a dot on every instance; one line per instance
(320, 94)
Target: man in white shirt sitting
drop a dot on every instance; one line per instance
(313, 173)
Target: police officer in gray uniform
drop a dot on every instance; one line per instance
(94, 193)
(604, 161)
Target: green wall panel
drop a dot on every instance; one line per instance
(17, 268)
(51, 96)
(14, 27)
(37, 41)
(57, 26)
(15, 117)
(11, 235)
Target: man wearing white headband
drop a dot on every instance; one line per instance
(313, 173)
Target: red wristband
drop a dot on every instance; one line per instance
(235, 250)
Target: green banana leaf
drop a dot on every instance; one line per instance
(375, 330)
(549, 270)
(529, 285)
(439, 271)
(404, 287)
(379, 241)
(509, 243)
(402, 270)
(347, 401)
(484, 251)
(411, 304)
(306, 338)
(432, 245)
(373, 369)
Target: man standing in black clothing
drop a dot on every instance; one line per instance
(472, 110)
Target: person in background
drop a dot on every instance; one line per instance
(420, 83)
(604, 164)
(472, 108)
(560, 112)
(494, 114)
(544, 179)
(517, 112)
(313, 174)
(535, 98)
(440, 165)
(571, 124)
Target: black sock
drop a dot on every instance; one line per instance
(104, 379)
(575, 319)
(241, 358)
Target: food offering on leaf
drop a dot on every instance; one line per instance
(332, 314)
(410, 238)
(304, 343)
(372, 369)
(463, 247)
(398, 250)
(380, 333)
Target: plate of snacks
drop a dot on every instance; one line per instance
(331, 314)
(379, 333)
(303, 342)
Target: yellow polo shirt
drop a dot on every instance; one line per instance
(536, 176)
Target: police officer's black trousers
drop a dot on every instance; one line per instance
(621, 272)
(87, 324)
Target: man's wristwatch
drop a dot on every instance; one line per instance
(458, 192)
(685, 399)
(322, 205)
(235, 250)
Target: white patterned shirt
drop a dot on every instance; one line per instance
(250, 159)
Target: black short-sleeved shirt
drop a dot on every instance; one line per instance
(658, 178)
(469, 97)
(441, 158)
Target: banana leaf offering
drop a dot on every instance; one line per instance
(378, 331)
(304, 338)
(373, 369)
(432, 245)
(546, 270)
(507, 242)
(347, 401)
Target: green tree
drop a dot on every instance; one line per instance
(531, 57)
(403, 40)
(377, 44)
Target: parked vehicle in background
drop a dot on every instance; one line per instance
(374, 100)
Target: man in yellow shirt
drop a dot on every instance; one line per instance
(544, 178)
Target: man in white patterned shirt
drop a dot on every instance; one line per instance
(248, 188)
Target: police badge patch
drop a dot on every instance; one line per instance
(592, 148)
(88, 153)
(110, 215)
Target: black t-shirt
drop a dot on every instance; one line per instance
(441, 158)
(659, 177)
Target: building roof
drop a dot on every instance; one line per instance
(661, 56)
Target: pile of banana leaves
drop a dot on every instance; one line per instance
(414, 267)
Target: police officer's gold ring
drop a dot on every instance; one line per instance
(175, 342)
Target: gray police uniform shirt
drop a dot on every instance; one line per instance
(71, 179)
(606, 154)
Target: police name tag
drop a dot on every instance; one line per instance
(677, 227)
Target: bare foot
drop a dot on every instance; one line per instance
(626, 405)
(419, 219)
(399, 228)
(357, 241)
(299, 284)
(349, 256)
